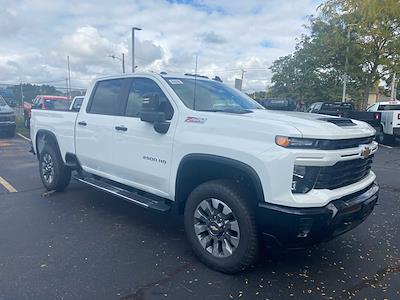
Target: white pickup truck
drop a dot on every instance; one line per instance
(236, 171)
(390, 120)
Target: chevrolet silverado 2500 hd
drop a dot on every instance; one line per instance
(196, 147)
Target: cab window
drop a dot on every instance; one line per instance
(105, 99)
(142, 88)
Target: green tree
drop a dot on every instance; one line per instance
(367, 32)
(30, 91)
(375, 27)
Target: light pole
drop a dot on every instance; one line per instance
(346, 63)
(120, 59)
(133, 47)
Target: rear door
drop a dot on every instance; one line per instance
(95, 127)
(142, 157)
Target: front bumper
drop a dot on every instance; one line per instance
(7, 126)
(302, 227)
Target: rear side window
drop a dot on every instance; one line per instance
(389, 107)
(105, 100)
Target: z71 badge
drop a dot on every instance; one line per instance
(195, 120)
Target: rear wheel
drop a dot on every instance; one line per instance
(54, 174)
(27, 123)
(221, 226)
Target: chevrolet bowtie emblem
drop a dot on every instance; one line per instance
(365, 152)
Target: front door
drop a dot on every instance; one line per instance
(141, 156)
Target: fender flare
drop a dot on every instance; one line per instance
(248, 170)
(48, 133)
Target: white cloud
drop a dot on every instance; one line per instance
(227, 36)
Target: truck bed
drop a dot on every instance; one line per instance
(59, 123)
(371, 118)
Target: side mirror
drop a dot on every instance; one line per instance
(151, 113)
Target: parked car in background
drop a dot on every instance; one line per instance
(7, 118)
(347, 110)
(278, 104)
(390, 119)
(76, 103)
(45, 102)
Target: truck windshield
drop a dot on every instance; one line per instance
(337, 106)
(208, 95)
(389, 107)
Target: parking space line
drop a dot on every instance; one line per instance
(24, 137)
(386, 146)
(8, 186)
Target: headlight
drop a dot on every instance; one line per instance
(304, 178)
(291, 142)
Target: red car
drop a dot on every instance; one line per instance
(45, 102)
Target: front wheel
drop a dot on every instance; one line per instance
(221, 227)
(54, 174)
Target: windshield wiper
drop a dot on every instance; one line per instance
(229, 110)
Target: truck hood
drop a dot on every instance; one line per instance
(5, 109)
(316, 125)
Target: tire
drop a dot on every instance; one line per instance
(380, 136)
(240, 229)
(54, 174)
(27, 123)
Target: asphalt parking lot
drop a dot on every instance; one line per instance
(84, 244)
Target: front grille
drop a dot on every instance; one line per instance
(343, 173)
(6, 118)
(345, 143)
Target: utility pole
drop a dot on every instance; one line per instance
(133, 47)
(123, 63)
(66, 85)
(393, 88)
(346, 64)
(22, 94)
(69, 77)
(241, 80)
(122, 59)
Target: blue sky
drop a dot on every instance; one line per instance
(227, 36)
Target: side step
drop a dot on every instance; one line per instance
(125, 194)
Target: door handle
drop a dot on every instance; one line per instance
(121, 128)
(82, 123)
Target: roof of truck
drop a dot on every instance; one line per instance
(389, 102)
(163, 74)
(50, 97)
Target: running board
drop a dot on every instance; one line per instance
(133, 197)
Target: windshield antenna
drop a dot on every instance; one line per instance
(195, 83)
